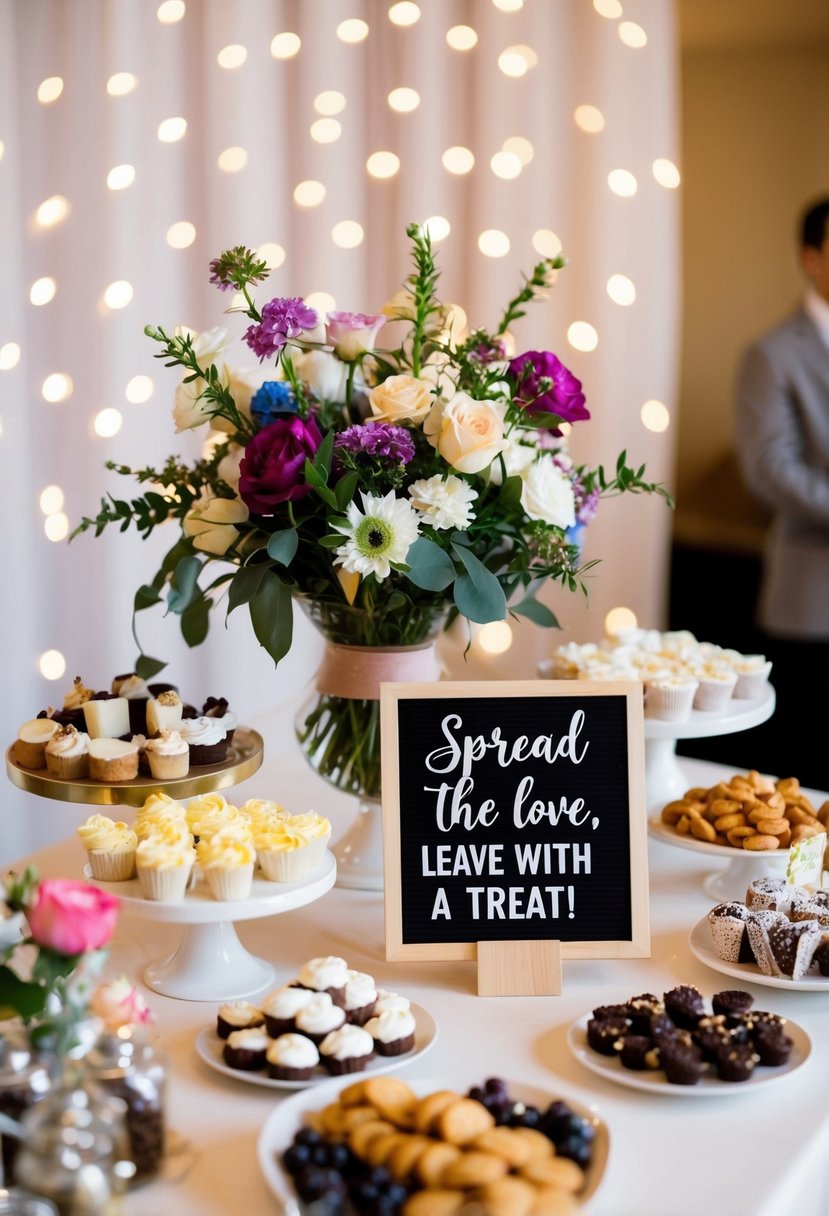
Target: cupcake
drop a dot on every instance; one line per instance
(682, 1063)
(773, 894)
(729, 932)
(110, 847)
(226, 859)
(393, 1032)
(792, 946)
(67, 753)
(246, 1049)
(73, 702)
(670, 697)
(319, 1017)
(164, 712)
(210, 814)
(317, 831)
(685, 1006)
(207, 739)
(753, 671)
(238, 1015)
(328, 974)
(348, 1049)
(216, 707)
(284, 853)
(606, 1035)
(360, 997)
(732, 1002)
(136, 693)
(390, 1000)
(736, 1062)
(281, 1006)
(715, 688)
(164, 868)
(168, 755)
(112, 760)
(759, 925)
(161, 814)
(291, 1057)
(30, 745)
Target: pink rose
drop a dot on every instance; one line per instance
(71, 917)
(352, 333)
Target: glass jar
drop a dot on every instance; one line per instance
(75, 1150)
(130, 1064)
(14, 1202)
(24, 1080)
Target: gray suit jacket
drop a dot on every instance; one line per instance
(783, 450)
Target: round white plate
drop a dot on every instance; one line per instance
(289, 1116)
(709, 1085)
(700, 943)
(209, 1046)
(739, 715)
(725, 852)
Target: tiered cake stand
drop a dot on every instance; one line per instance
(209, 963)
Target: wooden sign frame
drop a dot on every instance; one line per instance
(535, 964)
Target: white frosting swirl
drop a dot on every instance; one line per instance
(252, 1039)
(360, 990)
(293, 1051)
(320, 1015)
(322, 973)
(286, 1002)
(167, 743)
(240, 1013)
(347, 1043)
(203, 732)
(390, 1000)
(391, 1025)
(68, 742)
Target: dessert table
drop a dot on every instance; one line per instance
(763, 1151)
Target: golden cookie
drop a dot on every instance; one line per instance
(723, 806)
(823, 814)
(403, 1159)
(683, 825)
(736, 837)
(764, 785)
(775, 802)
(330, 1120)
(394, 1099)
(462, 1121)
(703, 830)
(353, 1116)
(555, 1171)
(674, 811)
(552, 1201)
(360, 1137)
(772, 827)
(500, 1140)
(353, 1095)
(473, 1169)
(695, 794)
(381, 1147)
(761, 844)
(788, 786)
(539, 1144)
(428, 1108)
(798, 814)
(735, 819)
(434, 1203)
(434, 1160)
(507, 1196)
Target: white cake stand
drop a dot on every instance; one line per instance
(664, 779)
(210, 963)
(743, 866)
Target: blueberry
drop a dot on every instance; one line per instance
(494, 1085)
(320, 1155)
(575, 1148)
(398, 1193)
(314, 1181)
(477, 1094)
(307, 1135)
(380, 1176)
(339, 1156)
(296, 1157)
(531, 1117)
(363, 1195)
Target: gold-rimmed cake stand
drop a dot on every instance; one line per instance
(244, 756)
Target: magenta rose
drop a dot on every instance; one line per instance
(273, 466)
(544, 385)
(71, 917)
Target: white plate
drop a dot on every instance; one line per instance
(726, 852)
(709, 1085)
(700, 943)
(209, 1046)
(289, 1116)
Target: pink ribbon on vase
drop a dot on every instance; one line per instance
(357, 672)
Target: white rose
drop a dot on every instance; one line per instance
(324, 374)
(517, 457)
(188, 408)
(210, 521)
(209, 345)
(436, 370)
(547, 494)
(468, 434)
(228, 468)
(400, 399)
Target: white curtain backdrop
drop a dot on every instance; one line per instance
(76, 599)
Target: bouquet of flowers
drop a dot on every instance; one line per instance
(386, 487)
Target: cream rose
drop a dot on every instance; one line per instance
(228, 468)
(468, 434)
(547, 494)
(243, 383)
(211, 523)
(400, 399)
(325, 374)
(517, 459)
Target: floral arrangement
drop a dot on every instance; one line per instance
(386, 487)
(47, 978)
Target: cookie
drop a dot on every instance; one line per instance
(558, 1172)
(434, 1203)
(360, 1137)
(394, 1099)
(462, 1121)
(552, 1201)
(434, 1160)
(404, 1157)
(380, 1148)
(515, 1150)
(508, 1196)
(540, 1145)
(427, 1109)
(473, 1169)
(353, 1095)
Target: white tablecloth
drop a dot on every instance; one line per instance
(761, 1151)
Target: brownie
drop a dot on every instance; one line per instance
(737, 1062)
(682, 1063)
(821, 956)
(772, 1045)
(603, 1012)
(792, 945)
(770, 893)
(635, 1051)
(604, 1033)
(713, 1038)
(732, 1001)
(685, 1006)
(641, 1009)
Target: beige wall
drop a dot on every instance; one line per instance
(755, 147)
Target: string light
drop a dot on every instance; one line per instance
(404, 100)
(493, 243)
(461, 38)
(51, 500)
(42, 291)
(438, 228)
(619, 620)
(9, 356)
(49, 90)
(582, 336)
(329, 103)
(181, 234)
(309, 193)
(139, 389)
(56, 387)
(382, 164)
(108, 422)
(622, 182)
(271, 253)
(620, 289)
(520, 147)
(52, 665)
(52, 211)
(119, 294)
(352, 30)
(655, 416)
(608, 8)
(121, 83)
(326, 130)
(404, 13)
(56, 526)
(505, 165)
(495, 637)
(516, 61)
(285, 45)
(231, 160)
(509, 6)
(231, 57)
(666, 173)
(170, 11)
(348, 234)
(458, 160)
(633, 35)
(120, 177)
(171, 130)
(321, 302)
(589, 119)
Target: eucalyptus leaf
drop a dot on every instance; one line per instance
(538, 613)
(282, 546)
(184, 584)
(146, 667)
(478, 594)
(430, 567)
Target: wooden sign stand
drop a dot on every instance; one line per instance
(508, 807)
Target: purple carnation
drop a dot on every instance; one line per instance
(378, 439)
(282, 318)
(543, 384)
(586, 501)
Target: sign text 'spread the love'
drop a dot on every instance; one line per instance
(513, 811)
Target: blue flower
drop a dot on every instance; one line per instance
(273, 400)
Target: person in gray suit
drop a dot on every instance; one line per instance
(782, 437)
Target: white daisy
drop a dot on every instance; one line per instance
(377, 536)
(444, 502)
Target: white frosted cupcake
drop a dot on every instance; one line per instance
(393, 1031)
(716, 687)
(670, 697)
(281, 1006)
(226, 861)
(110, 847)
(67, 753)
(168, 755)
(319, 1017)
(348, 1049)
(753, 671)
(328, 974)
(390, 1000)
(360, 997)
(291, 1057)
(207, 739)
(164, 868)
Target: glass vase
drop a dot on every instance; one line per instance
(338, 721)
(130, 1064)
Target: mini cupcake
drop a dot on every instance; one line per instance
(390, 1000)
(164, 868)
(716, 686)
(136, 693)
(685, 1006)
(346, 1050)
(281, 1006)
(160, 814)
(729, 932)
(238, 1015)
(736, 1062)
(110, 847)
(164, 712)
(210, 814)
(30, 745)
(670, 698)
(207, 739)
(772, 894)
(319, 1017)
(283, 852)
(393, 1032)
(168, 755)
(753, 671)
(246, 1049)
(732, 1002)
(360, 997)
(226, 861)
(291, 1057)
(73, 702)
(67, 754)
(328, 974)
(759, 925)
(216, 707)
(112, 760)
(317, 831)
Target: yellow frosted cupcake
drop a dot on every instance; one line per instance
(317, 830)
(164, 868)
(160, 813)
(227, 858)
(286, 851)
(110, 847)
(261, 812)
(208, 814)
(67, 754)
